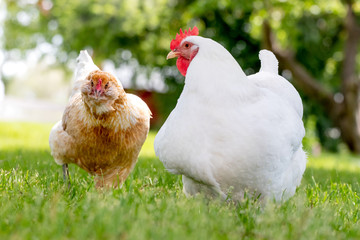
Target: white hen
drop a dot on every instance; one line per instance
(227, 132)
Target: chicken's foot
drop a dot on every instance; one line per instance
(66, 175)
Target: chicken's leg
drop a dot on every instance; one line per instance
(66, 176)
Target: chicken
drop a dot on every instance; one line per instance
(230, 134)
(102, 129)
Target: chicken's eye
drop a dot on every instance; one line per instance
(92, 83)
(106, 85)
(187, 45)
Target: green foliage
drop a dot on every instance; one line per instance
(35, 202)
(146, 27)
(310, 140)
(108, 27)
(113, 29)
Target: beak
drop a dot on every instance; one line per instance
(97, 93)
(172, 54)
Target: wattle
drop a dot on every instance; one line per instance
(182, 65)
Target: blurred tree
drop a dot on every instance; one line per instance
(324, 64)
(316, 43)
(105, 26)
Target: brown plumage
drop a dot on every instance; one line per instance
(102, 129)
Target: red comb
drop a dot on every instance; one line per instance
(179, 37)
(98, 86)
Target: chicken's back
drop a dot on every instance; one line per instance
(269, 78)
(280, 86)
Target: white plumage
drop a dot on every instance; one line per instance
(85, 65)
(230, 133)
(268, 78)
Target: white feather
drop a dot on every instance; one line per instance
(228, 134)
(269, 63)
(268, 78)
(84, 66)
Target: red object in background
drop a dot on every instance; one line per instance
(148, 98)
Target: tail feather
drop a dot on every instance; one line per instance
(84, 66)
(269, 63)
(84, 57)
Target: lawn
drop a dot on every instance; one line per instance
(36, 204)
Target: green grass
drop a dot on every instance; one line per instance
(36, 204)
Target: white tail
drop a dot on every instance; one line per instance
(269, 63)
(84, 66)
(83, 56)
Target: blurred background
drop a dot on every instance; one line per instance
(316, 43)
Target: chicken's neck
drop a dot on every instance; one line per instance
(99, 110)
(115, 114)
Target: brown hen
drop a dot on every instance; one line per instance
(102, 129)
